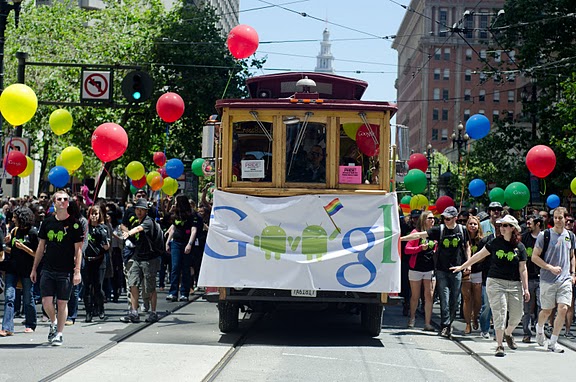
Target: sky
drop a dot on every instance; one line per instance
(359, 23)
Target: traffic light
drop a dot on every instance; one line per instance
(137, 86)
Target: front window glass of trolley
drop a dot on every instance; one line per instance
(359, 149)
(305, 151)
(252, 152)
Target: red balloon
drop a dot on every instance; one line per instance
(541, 161)
(418, 161)
(109, 141)
(162, 171)
(242, 41)
(170, 107)
(15, 162)
(443, 202)
(365, 140)
(159, 158)
(140, 183)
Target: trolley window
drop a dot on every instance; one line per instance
(252, 151)
(305, 152)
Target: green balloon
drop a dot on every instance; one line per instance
(496, 195)
(415, 181)
(405, 199)
(197, 167)
(517, 195)
(133, 189)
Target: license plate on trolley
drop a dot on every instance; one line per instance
(303, 293)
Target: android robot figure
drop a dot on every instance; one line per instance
(60, 236)
(272, 241)
(51, 235)
(315, 241)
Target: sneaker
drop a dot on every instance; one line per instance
(429, 328)
(569, 335)
(102, 315)
(411, 323)
(131, 318)
(445, 332)
(500, 351)
(183, 298)
(555, 348)
(510, 341)
(57, 341)
(171, 298)
(152, 317)
(88, 317)
(485, 335)
(540, 338)
(28, 330)
(69, 322)
(52, 332)
(526, 339)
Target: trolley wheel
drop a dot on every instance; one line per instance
(371, 318)
(228, 316)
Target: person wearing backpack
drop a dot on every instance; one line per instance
(554, 254)
(145, 262)
(453, 251)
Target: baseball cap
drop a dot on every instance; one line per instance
(509, 219)
(415, 213)
(450, 212)
(495, 206)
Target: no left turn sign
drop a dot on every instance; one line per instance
(95, 85)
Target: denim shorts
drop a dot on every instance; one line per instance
(143, 272)
(57, 284)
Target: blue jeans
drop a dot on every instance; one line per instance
(10, 296)
(532, 307)
(448, 285)
(180, 269)
(73, 303)
(486, 312)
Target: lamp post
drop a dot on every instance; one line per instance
(530, 98)
(430, 159)
(460, 141)
(5, 8)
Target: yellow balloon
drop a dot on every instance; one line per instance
(29, 168)
(418, 202)
(60, 121)
(170, 186)
(135, 170)
(573, 186)
(154, 180)
(351, 129)
(71, 158)
(18, 104)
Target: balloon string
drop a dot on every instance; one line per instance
(100, 179)
(544, 182)
(227, 83)
(166, 141)
(9, 149)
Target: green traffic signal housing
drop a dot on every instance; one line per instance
(137, 86)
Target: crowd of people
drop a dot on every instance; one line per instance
(498, 267)
(58, 251)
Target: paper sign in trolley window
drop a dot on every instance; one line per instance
(252, 169)
(350, 175)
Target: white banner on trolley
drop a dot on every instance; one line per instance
(314, 242)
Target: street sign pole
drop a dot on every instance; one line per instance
(21, 56)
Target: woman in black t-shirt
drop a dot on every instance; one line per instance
(472, 287)
(507, 279)
(20, 249)
(93, 272)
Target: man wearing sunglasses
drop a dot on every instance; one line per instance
(557, 267)
(60, 244)
(495, 211)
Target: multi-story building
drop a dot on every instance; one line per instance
(450, 68)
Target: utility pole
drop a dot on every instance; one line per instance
(18, 129)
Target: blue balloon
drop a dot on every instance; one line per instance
(477, 187)
(478, 126)
(58, 176)
(174, 168)
(553, 201)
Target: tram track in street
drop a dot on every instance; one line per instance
(113, 342)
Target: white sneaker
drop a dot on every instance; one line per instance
(555, 348)
(540, 338)
(485, 335)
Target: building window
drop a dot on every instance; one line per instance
(469, 26)
(467, 94)
(483, 54)
(437, 73)
(466, 114)
(468, 54)
(444, 134)
(436, 94)
(444, 114)
(434, 134)
(481, 111)
(443, 21)
(446, 74)
(437, 54)
(468, 75)
(446, 54)
(510, 115)
(483, 26)
(510, 96)
(511, 55)
(434, 114)
(495, 116)
(445, 94)
(511, 77)
(482, 77)
(482, 96)
(496, 96)
(497, 55)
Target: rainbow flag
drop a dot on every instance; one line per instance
(333, 207)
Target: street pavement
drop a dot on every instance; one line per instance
(186, 345)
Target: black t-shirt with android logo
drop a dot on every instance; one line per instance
(425, 259)
(451, 246)
(505, 259)
(60, 236)
(529, 242)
